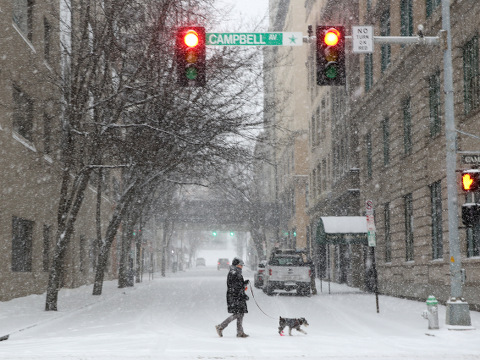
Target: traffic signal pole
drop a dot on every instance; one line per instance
(458, 312)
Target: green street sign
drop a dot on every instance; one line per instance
(371, 238)
(255, 39)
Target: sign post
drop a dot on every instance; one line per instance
(372, 243)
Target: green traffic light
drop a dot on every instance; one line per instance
(214, 233)
(231, 233)
(191, 73)
(331, 72)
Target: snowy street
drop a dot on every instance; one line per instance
(175, 318)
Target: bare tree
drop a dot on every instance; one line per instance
(122, 109)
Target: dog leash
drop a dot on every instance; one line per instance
(251, 290)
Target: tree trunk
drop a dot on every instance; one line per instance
(124, 251)
(119, 213)
(138, 270)
(68, 211)
(100, 273)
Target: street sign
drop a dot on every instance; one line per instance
(472, 159)
(255, 39)
(369, 206)
(370, 223)
(362, 37)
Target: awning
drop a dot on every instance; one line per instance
(342, 230)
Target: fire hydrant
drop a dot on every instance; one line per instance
(431, 314)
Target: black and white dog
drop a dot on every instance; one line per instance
(292, 324)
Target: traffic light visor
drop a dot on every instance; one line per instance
(332, 37)
(191, 38)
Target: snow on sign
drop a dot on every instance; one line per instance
(362, 37)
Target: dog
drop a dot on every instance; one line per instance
(292, 324)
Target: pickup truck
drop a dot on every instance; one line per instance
(287, 270)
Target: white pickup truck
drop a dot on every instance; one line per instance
(287, 270)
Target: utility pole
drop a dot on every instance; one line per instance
(458, 312)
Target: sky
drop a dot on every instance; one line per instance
(245, 13)
(174, 318)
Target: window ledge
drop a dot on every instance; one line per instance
(48, 158)
(24, 141)
(20, 32)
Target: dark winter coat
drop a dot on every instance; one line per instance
(236, 297)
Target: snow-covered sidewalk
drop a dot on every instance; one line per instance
(174, 318)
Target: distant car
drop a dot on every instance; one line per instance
(260, 274)
(223, 263)
(200, 262)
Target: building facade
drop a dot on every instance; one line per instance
(381, 137)
(31, 170)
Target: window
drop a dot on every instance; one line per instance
(47, 240)
(473, 241)
(386, 141)
(470, 75)
(406, 17)
(388, 237)
(22, 232)
(23, 16)
(324, 175)
(385, 31)
(368, 141)
(430, 6)
(83, 249)
(314, 131)
(22, 114)
(368, 71)
(47, 134)
(407, 126)
(47, 40)
(437, 238)
(434, 102)
(319, 179)
(408, 201)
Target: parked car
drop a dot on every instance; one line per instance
(260, 274)
(223, 263)
(287, 270)
(200, 262)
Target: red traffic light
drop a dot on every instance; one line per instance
(470, 180)
(191, 38)
(330, 55)
(190, 54)
(332, 37)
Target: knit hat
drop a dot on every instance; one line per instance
(237, 261)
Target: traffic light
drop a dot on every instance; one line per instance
(214, 233)
(470, 214)
(190, 55)
(471, 180)
(232, 233)
(330, 55)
